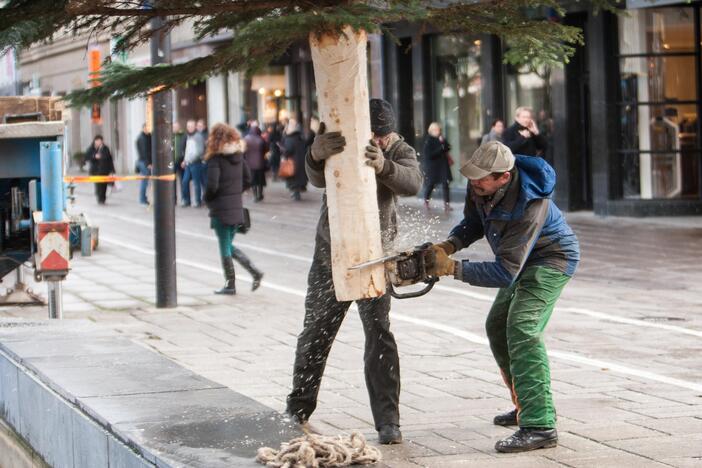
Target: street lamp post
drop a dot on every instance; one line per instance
(162, 165)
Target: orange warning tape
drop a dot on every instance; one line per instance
(114, 178)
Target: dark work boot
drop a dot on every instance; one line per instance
(506, 419)
(244, 261)
(229, 287)
(528, 438)
(389, 434)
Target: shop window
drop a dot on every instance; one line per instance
(271, 101)
(659, 144)
(457, 94)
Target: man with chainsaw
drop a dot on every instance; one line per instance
(397, 174)
(536, 253)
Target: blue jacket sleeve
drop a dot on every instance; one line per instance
(512, 253)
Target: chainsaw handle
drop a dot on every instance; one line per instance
(408, 295)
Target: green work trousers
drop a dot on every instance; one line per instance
(225, 237)
(515, 328)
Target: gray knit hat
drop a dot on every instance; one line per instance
(491, 157)
(382, 117)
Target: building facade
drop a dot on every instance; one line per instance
(621, 118)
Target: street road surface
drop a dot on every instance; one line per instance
(625, 340)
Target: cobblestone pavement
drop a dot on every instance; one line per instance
(625, 340)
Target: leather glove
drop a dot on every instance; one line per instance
(374, 157)
(443, 264)
(447, 246)
(326, 144)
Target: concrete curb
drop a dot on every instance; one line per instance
(58, 431)
(82, 396)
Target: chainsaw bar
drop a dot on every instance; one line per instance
(375, 262)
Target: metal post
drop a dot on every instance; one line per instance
(164, 190)
(51, 161)
(55, 299)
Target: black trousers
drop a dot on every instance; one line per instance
(323, 317)
(429, 188)
(101, 192)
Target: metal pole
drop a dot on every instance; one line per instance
(51, 161)
(55, 299)
(162, 164)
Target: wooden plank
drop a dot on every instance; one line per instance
(342, 93)
(31, 130)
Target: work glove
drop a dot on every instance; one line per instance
(326, 144)
(443, 264)
(374, 157)
(447, 246)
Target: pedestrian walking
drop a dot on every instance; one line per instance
(227, 178)
(178, 156)
(497, 129)
(144, 161)
(99, 157)
(255, 156)
(397, 174)
(201, 128)
(275, 141)
(294, 149)
(437, 165)
(523, 136)
(193, 164)
(509, 203)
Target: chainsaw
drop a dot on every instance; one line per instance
(407, 268)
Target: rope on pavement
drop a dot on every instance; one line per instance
(317, 451)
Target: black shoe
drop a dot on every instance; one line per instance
(296, 418)
(528, 438)
(229, 276)
(228, 289)
(506, 419)
(257, 275)
(389, 434)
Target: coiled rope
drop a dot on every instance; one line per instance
(317, 451)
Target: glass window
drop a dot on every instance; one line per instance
(457, 95)
(658, 111)
(656, 30)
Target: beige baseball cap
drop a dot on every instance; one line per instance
(491, 157)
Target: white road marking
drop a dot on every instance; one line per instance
(458, 291)
(466, 335)
(197, 235)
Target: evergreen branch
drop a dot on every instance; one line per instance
(88, 7)
(264, 29)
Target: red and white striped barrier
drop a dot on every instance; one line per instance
(53, 248)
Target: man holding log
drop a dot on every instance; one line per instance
(509, 203)
(397, 174)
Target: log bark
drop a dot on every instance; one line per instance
(340, 65)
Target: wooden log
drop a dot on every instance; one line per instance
(340, 65)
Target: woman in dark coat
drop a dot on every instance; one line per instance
(295, 148)
(437, 168)
(101, 164)
(255, 157)
(227, 178)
